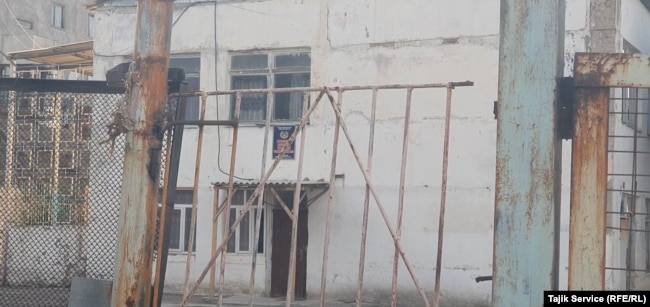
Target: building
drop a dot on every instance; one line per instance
(244, 44)
(39, 25)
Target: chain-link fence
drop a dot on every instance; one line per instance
(59, 188)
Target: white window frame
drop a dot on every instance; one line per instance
(58, 11)
(183, 209)
(91, 25)
(238, 207)
(270, 72)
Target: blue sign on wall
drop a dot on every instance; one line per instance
(281, 135)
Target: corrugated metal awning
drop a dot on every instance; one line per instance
(288, 184)
(72, 56)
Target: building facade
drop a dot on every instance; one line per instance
(287, 43)
(28, 25)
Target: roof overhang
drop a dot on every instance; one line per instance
(284, 185)
(78, 56)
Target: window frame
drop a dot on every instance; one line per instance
(190, 74)
(91, 26)
(53, 21)
(270, 72)
(238, 207)
(183, 207)
(629, 107)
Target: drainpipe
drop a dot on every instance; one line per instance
(144, 125)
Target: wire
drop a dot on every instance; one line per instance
(216, 88)
(20, 25)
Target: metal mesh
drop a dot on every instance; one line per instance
(60, 192)
(628, 212)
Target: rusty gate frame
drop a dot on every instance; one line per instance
(218, 250)
(594, 75)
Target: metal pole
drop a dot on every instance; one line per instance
(215, 230)
(589, 190)
(168, 202)
(231, 186)
(330, 205)
(366, 200)
(146, 112)
(291, 282)
(260, 199)
(443, 198)
(402, 182)
(195, 199)
(526, 217)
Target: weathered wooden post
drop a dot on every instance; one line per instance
(143, 122)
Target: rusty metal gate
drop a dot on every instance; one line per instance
(610, 186)
(58, 184)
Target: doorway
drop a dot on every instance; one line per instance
(281, 249)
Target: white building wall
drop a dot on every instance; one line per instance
(357, 43)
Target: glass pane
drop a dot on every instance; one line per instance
(188, 225)
(253, 106)
(175, 231)
(251, 61)
(190, 65)
(288, 106)
(293, 60)
(244, 233)
(231, 242)
(183, 197)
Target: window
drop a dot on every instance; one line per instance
(192, 67)
(270, 70)
(181, 221)
(4, 71)
(91, 25)
(244, 238)
(630, 102)
(57, 15)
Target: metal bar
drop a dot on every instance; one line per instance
(318, 89)
(146, 109)
(616, 212)
(624, 269)
(231, 185)
(631, 246)
(260, 199)
(291, 282)
(633, 191)
(195, 199)
(611, 70)
(402, 183)
(628, 229)
(170, 183)
(261, 185)
(638, 175)
(628, 151)
(380, 205)
(443, 198)
(201, 123)
(526, 216)
(330, 205)
(366, 199)
(589, 191)
(213, 242)
(282, 203)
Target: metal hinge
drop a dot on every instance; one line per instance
(566, 100)
(565, 103)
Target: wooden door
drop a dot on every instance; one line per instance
(280, 255)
